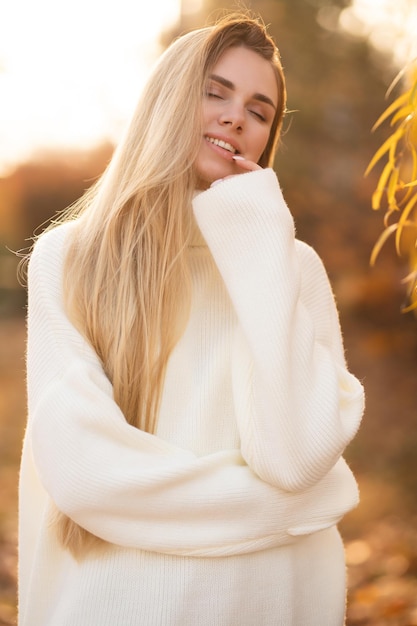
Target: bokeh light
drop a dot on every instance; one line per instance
(70, 73)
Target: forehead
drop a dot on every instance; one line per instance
(248, 71)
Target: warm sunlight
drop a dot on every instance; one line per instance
(70, 73)
(391, 26)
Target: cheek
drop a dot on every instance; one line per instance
(207, 112)
(261, 144)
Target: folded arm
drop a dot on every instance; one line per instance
(297, 404)
(132, 488)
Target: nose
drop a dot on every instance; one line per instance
(233, 116)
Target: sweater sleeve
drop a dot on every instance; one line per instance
(297, 404)
(132, 488)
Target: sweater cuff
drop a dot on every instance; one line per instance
(242, 205)
(244, 213)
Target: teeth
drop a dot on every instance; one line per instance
(222, 144)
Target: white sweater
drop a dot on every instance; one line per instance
(227, 516)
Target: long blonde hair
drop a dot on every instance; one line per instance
(126, 279)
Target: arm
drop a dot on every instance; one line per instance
(297, 404)
(132, 488)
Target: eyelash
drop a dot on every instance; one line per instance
(260, 117)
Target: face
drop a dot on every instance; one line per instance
(238, 111)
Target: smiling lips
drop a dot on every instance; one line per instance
(222, 144)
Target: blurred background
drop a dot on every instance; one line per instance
(70, 74)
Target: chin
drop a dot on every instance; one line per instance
(207, 175)
(210, 166)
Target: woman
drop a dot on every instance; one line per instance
(189, 400)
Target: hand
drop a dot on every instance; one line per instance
(244, 164)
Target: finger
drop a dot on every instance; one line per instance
(245, 163)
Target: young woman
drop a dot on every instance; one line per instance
(189, 400)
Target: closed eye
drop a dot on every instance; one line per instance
(210, 94)
(258, 115)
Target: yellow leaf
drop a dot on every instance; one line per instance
(382, 182)
(392, 107)
(411, 277)
(414, 157)
(403, 221)
(410, 307)
(392, 186)
(381, 240)
(413, 175)
(404, 113)
(407, 210)
(393, 149)
(413, 93)
(392, 209)
(376, 199)
(389, 144)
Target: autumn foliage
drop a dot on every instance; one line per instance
(396, 190)
(335, 94)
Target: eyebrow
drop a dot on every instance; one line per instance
(229, 85)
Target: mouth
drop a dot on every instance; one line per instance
(222, 144)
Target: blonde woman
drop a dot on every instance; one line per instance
(189, 400)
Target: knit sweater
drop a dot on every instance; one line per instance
(227, 515)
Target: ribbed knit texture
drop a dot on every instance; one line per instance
(226, 517)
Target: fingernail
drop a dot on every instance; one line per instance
(237, 157)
